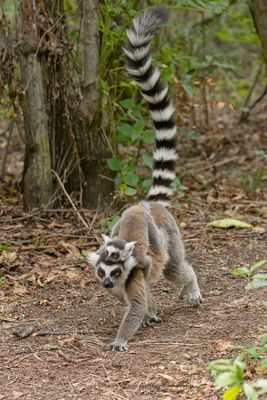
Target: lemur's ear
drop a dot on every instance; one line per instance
(93, 258)
(106, 238)
(128, 249)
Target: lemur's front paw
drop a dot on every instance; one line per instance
(195, 298)
(149, 319)
(118, 345)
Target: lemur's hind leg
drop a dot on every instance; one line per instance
(151, 313)
(179, 271)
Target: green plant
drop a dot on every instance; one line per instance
(247, 271)
(133, 131)
(106, 224)
(261, 154)
(230, 375)
(4, 247)
(253, 182)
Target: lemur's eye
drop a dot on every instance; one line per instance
(115, 255)
(117, 273)
(106, 253)
(101, 273)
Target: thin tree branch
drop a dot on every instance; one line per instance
(70, 200)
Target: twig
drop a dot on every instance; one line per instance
(70, 200)
(246, 107)
(67, 358)
(71, 360)
(24, 333)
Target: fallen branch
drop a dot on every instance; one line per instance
(23, 333)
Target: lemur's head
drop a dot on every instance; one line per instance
(113, 261)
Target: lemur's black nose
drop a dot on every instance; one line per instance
(108, 283)
(108, 261)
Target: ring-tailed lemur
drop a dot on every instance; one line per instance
(145, 243)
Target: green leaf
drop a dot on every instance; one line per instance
(146, 184)
(4, 247)
(127, 103)
(148, 137)
(232, 393)
(264, 339)
(121, 137)
(240, 271)
(261, 384)
(249, 391)
(140, 124)
(260, 276)
(264, 302)
(131, 179)
(225, 379)
(188, 88)
(256, 284)
(264, 363)
(257, 265)
(135, 135)
(148, 160)
(129, 191)
(229, 223)
(126, 129)
(115, 163)
(217, 364)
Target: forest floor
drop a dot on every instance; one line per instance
(49, 294)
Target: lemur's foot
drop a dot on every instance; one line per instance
(195, 298)
(149, 319)
(117, 345)
(194, 295)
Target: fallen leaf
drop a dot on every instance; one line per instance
(223, 345)
(169, 378)
(7, 258)
(16, 395)
(229, 223)
(71, 249)
(20, 290)
(44, 302)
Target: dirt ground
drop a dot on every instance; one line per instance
(49, 294)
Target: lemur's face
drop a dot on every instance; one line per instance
(109, 275)
(117, 250)
(113, 261)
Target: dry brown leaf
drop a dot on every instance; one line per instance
(44, 302)
(7, 258)
(16, 395)
(223, 345)
(169, 378)
(20, 290)
(71, 249)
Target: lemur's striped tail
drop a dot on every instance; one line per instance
(139, 66)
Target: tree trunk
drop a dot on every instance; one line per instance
(37, 180)
(62, 120)
(93, 147)
(259, 13)
(58, 72)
